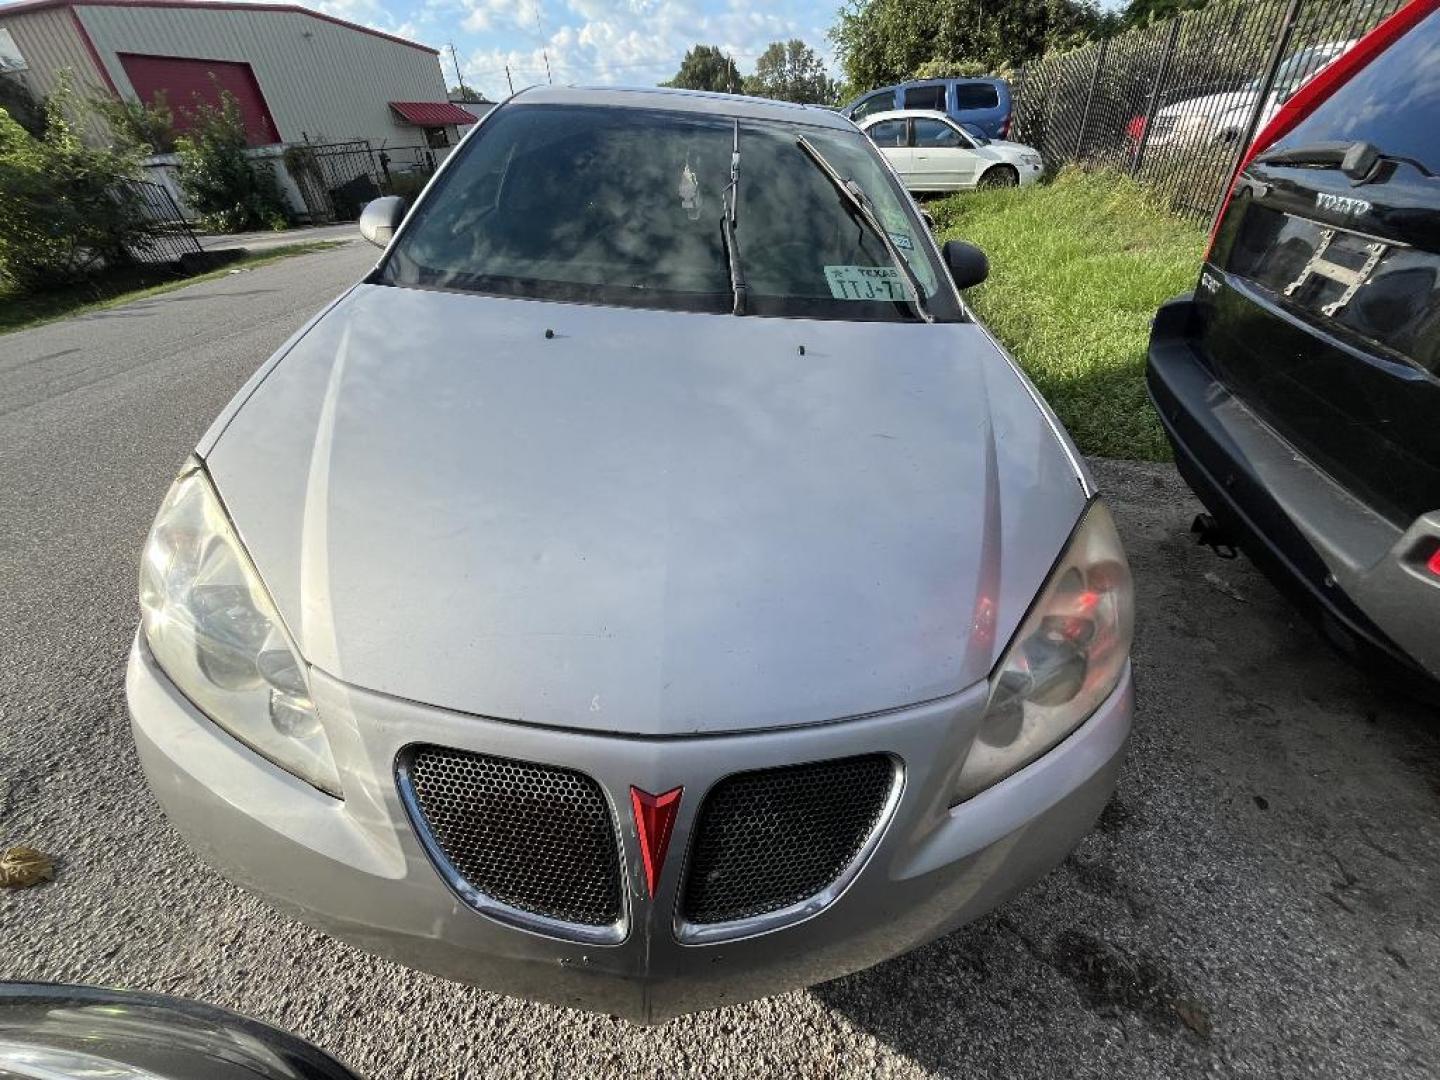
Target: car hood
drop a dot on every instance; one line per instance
(646, 522)
(1008, 147)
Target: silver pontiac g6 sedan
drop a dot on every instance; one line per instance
(650, 588)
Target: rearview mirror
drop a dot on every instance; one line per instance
(967, 264)
(380, 219)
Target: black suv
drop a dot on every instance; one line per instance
(1300, 384)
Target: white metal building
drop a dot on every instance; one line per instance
(297, 75)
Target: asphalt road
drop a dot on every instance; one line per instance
(1261, 899)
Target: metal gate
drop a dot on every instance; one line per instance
(337, 179)
(166, 236)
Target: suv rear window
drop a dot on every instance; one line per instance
(1393, 103)
(976, 96)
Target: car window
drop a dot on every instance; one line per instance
(1393, 103)
(937, 133)
(623, 206)
(874, 103)
(925, 97)
(887, 133)
(976, 96)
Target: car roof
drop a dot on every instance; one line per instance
(901, 114)
(993, 80)
(689, 101)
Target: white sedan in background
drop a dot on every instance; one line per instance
(931, 152)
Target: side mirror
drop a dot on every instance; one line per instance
(967, 264)
(380, 219)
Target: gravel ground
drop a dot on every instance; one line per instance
(1261, 899)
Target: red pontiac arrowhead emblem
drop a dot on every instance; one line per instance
(654, 818)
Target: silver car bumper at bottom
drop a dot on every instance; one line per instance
(356, 868)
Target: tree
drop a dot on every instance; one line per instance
(466, 94)
(950, 69)
(887, 41)
(791, 71)
(708, 67)
(16, 99)
(1144, 12)
(134, 123)
(65, 210)
(231, 192)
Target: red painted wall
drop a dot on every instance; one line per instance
(185, 82)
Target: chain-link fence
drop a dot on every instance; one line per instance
(1174, 104)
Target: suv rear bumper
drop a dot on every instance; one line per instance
(1350, 570)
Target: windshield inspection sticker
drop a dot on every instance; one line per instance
(882, 283)
(903, 241)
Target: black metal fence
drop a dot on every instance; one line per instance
(1174, 104)
(166, 237)
(337, 179)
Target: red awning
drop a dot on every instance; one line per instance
(431, 113)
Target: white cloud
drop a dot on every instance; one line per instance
(638, 42)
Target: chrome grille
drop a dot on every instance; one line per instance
(533, 837)
(767, 839)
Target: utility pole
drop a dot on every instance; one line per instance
(508, 81)
(459, 79)
(545, 53)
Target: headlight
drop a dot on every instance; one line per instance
(212, 628)
(1065, 659)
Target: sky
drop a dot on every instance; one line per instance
(624, 42)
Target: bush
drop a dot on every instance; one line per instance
(62, 213)
(1077, 269)
(16, 99)
(407, 184)
(149, 127)
(951, 69)
(229, 191)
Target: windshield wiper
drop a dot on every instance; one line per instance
(727, 229)
(1357, 160)
(859, 205)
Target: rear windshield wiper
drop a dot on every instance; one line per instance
(859, 206)
(1357, 160)
(727, 229)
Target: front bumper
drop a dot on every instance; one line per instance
(356, 869)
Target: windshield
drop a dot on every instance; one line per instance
(624, 206)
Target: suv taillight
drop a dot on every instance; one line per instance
(1314, 93)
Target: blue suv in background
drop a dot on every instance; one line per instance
(982, 103)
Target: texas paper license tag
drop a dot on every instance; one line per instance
(883, 283)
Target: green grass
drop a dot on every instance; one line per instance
(19, 311)
(1077, 269)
